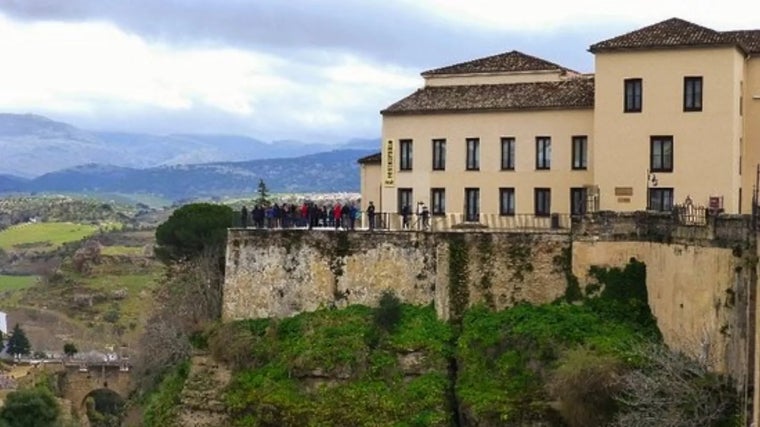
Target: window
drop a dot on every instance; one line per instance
(506, 201)
(578, 201)
(473, 154)
(507, 154)
(543, 152)
(472, 204)
(543, 201)
(405, 146)
(660, 199)
(580, 152)
(661, 154)
(438, 201)
(404, 199)
(439, 154)
(632, 98)
(692, 93)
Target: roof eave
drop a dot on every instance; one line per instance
(738, 46)
(481, 110)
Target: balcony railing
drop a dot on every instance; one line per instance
(416, 222)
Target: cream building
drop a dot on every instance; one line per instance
(672, 112)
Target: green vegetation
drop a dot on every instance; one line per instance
(354, 377)
(35, 407)
(263, 196)
(15, 283)
(559, 364)
(161, 407)
(43, 236)
(70, 349)
(18, 343)
(193, 229)
(120, 250)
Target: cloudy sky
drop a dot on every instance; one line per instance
(314, 70)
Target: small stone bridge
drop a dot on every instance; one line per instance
(80, 380)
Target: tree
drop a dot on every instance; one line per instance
(18, 343)
(193, 229)
(263, 191)
(70, 349)
(34, 407)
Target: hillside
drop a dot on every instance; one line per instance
(33, 145)
(324, 172)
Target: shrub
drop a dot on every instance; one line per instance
(585, 383)
(34, 407)
(388, 312)
(232, 343)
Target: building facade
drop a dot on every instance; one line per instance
(670, 116)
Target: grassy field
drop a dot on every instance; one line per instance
(43, 235)
(14, 283)
(121, 250)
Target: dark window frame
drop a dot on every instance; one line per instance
(510, 208)
(437, 209)
(406, 152)
(439, 154)
(400, 198)
(542, 201)
(508, 154)
(468, 216)
(657, 145)
(657, 195)
(579, 163)
(633, 95)
(543, 153)
(472, 163)
(576, 209)
(693, 93)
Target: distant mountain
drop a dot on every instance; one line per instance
(11, 183)
(32, 145)
(331, 171)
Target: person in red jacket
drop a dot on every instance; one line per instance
(337, 212)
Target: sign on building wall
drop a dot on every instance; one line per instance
(389, 167)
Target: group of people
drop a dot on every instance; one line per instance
(423, 215)
(309, 214)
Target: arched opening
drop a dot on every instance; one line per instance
(104, 408)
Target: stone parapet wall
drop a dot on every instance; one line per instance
(663, 227)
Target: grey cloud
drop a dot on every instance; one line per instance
(380, 31)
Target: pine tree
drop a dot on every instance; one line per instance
(263, 191)
(18, 343)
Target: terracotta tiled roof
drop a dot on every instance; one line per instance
(513, 61)
(564, 94)
(673, 32)
(371, 159)
(750, 39)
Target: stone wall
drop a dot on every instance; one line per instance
(700, 279)
(282, 273)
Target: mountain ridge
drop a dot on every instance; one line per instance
(33, 145)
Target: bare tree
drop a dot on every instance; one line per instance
(672, 390)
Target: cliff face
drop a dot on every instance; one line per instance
(284, 273)
(699, 278)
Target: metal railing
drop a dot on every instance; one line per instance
(688, 214)
(388, 221)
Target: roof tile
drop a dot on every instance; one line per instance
(565, 94)
(371, 159)
(673, 32)
(513, 61)
(749, 39)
